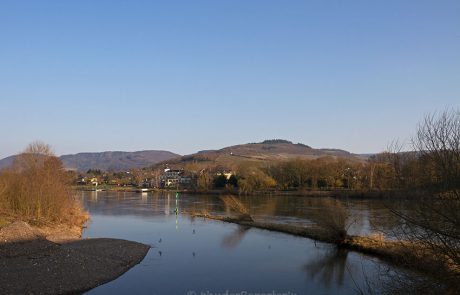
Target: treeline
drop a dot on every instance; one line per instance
(294, 174)
(386, 171)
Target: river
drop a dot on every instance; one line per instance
(196, 256)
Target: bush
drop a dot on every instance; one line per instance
(238, 207)
(332, 217)
(37, 189)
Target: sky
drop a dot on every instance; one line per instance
(185, 76)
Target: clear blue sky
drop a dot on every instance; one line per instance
(191, 75)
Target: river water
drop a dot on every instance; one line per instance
(196, 256)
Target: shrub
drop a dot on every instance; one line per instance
(37, 189)
(237, 206)
(332, 217)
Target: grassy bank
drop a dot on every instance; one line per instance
(400, 253)
(331, 227)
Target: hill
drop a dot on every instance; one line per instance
(268, 150)
(6, 162)
(108, 161)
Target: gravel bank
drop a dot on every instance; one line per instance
(32, 264)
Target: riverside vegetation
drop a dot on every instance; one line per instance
(40, 229)
(36, 189)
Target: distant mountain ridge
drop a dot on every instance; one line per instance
(268, 150)
(108, 161)
(230, 157)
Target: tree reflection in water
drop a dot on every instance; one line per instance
(234, 238)
(328, 268)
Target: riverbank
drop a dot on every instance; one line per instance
(401, 253)
(55, 260)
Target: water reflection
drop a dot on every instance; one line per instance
(234, 238)
(365, 217)
(328, 268)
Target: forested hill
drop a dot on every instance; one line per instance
(108, 161)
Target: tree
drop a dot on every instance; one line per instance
(94, 172)
(434, 223)
(252, 178)
(438, 142)
(37, 188)
(204, 180)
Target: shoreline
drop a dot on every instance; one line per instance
(402, 254)
(55, 260)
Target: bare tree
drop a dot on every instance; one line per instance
(332, 217)
(36, 188)
(433, 226)
(438, 142)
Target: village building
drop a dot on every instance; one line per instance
(172, 178)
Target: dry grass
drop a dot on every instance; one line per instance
(3, 222)
(408, 255)
(237, 206)
(380, 237)
(36, 189)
